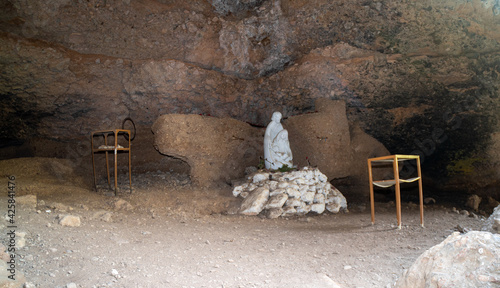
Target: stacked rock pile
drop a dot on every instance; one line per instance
(289, 193)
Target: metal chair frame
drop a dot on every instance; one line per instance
(115, 148)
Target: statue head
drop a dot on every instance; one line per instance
(276, 117)
(284, 134)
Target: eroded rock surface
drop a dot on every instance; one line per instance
(220, 149)
(216, 149)
(469, 260)
(420, 77)
(493, 222)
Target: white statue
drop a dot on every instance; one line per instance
(277, 152)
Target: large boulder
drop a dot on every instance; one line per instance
(492, 224)
(216, 149)
(322, 139)
(461, 260)
(219, 149)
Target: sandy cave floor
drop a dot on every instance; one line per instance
(173, 235)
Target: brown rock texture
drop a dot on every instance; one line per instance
(322, 139)
(216, 149)
(70, 220)
(421, 77)
(469, 260)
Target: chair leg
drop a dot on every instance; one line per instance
(107, 169)
(116, 173)
(116, 163)
(372, 201)
(130, 168)
(420, 193)
(93, 163)
(398, 191)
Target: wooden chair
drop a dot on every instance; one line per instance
(395, 161)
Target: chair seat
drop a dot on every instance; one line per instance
(389, 183)
(109, 147)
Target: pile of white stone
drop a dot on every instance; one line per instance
(289, 193)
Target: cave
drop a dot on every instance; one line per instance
(387, 77)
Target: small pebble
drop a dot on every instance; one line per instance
(114, 272)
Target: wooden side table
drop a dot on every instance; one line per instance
(115, 147)
(395, 160)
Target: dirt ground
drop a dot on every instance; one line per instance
(169, 234)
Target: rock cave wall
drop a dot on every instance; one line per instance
(420, 76)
